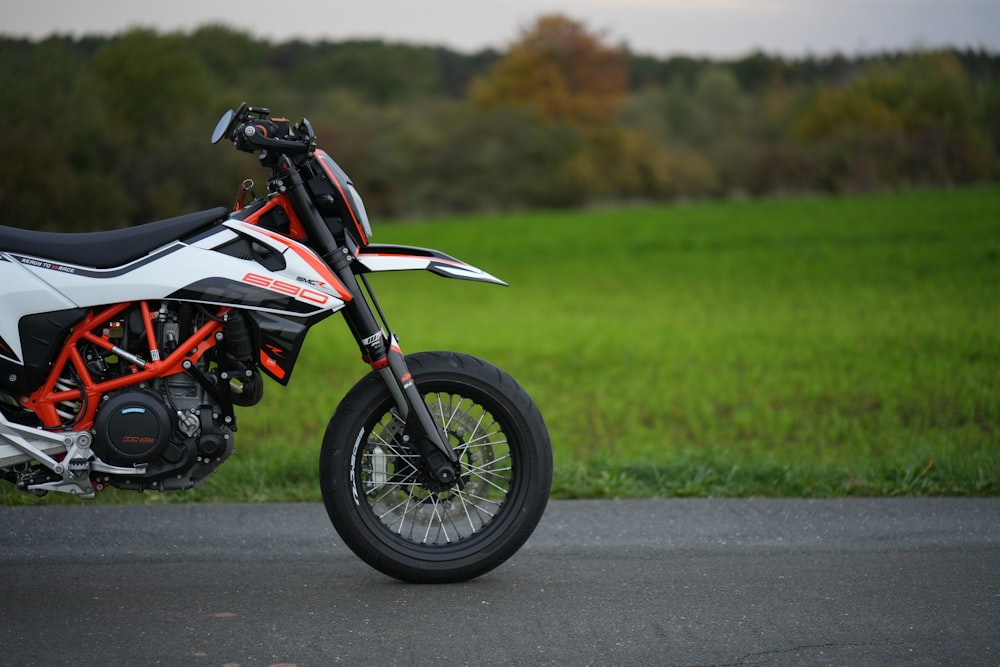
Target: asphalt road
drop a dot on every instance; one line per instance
(651, 582)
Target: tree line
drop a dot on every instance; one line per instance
(100, 132)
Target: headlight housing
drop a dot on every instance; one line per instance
(338, 200)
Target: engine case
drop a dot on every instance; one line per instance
(133, 427)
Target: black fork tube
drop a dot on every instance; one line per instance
(426, 437)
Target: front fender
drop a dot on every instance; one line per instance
(377, 257)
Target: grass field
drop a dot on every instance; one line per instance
(796, 347)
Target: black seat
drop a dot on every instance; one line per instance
(104, 250)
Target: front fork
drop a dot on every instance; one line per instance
(385, 357)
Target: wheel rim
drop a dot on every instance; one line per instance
(390, 483)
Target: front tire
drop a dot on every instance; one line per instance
(381, 502)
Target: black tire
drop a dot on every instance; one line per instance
(373, 489)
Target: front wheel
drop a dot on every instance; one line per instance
(392, 514)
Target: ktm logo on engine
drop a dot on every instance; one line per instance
(290, 289)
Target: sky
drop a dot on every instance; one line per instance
(714, 28)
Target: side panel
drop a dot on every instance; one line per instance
(191, 272)
(281, 341)
(23, 293)
(41, 335)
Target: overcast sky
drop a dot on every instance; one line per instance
(721, 28)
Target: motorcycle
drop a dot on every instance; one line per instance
(124, 355)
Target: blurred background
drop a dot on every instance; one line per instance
(447, 110)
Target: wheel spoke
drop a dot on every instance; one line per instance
(402, 516)
(469, 499)
(392, 510)
(485, 441)
(465, 510)
(491, 483)
(472, 436)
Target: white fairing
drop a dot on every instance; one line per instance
(376, 258)
(193, 272)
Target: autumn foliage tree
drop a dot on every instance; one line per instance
(559, 70)
(568, 80)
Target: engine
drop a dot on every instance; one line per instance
(179, 428)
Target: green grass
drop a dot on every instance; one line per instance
(796, 347)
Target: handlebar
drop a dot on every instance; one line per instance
(251, 134)
(266, 134)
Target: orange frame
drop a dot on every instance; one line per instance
(44, 400)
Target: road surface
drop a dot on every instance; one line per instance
(640, 582)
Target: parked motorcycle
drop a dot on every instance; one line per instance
(124, 354)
